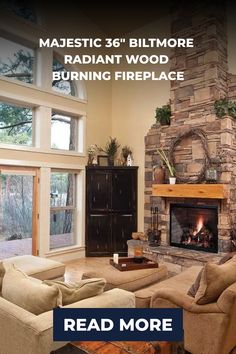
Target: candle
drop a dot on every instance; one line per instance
(116, 258)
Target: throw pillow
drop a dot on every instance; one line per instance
(72, 292)
(32, 296)
(192, 291)
(214, 280)
(2, 272)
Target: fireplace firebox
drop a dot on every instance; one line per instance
(194, 227)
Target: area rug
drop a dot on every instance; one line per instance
(131, 347)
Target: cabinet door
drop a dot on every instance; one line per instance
(98, 236)
(122, 225)
(98, 191)
(124, 185)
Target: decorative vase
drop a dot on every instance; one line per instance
(129, 161)
(158, 174)
(90, 159)
(172, 180)
(111, 160)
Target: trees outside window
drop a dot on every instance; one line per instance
(16, 61)
(61, 86)
(63, 132)
(16, 124)
(63, 208)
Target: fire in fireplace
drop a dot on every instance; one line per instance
(194, 227)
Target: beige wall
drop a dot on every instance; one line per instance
(134, 103)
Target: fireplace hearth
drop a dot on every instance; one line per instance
(194, 227)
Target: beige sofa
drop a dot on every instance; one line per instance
(22, 332)
(209, 328)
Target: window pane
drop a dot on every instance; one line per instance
(66, 87)
(62, 189)
(63, 132)
(62, 228)
(15, 124)
(16, 61)
(16, 195)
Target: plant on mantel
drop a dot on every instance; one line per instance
(225, 107)
(169, 166)
(163, 114)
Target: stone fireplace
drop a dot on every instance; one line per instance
(192, 105)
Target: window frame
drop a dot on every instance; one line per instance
(73, 207)
(40, 97)
(42, 85)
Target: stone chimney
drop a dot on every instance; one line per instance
(192, 106)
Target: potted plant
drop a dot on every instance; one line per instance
(225, 107)
(111, 149)
(126, 151)
(163, 114)
(170, 167)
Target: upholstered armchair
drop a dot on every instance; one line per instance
(209, 328)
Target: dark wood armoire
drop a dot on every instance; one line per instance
(111, 209)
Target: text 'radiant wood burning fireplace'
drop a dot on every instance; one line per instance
(194, 227)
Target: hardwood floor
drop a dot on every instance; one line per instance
(75, 269)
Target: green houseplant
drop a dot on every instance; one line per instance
(163, 114)
(225, 107)
(170, 167)
(111, 149)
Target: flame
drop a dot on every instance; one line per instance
(199, 225)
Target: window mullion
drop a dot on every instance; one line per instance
(44, 68)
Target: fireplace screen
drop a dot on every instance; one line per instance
(194, 227)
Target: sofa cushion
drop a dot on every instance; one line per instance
(2, 272)
(214, 280)
(73, 292)
(130, 280)
(37, 267)
(32, 296)
(192, 291)
(195, 286)
(227, 257)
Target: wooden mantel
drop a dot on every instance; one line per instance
(211, 191)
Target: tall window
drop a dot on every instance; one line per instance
(16, 124)
(63, 209)
(16, 61)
